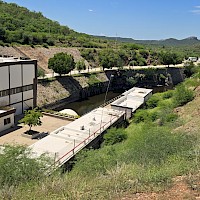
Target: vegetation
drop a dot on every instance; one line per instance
(17, 167)
(114, 136)
(171, 58)
(80, 65)
(61, 63)
(32, 118)
(92, 79)
(182, 95)
(145, 156)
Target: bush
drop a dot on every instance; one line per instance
(40, 73)
(171, 117)
(17, 166)
(182, 95)
(153, 115)
(114, 136)
(45, 45)
(153, 101)
(168, 94)
(140, 116)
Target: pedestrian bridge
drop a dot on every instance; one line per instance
(63, 144)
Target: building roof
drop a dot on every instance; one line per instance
(4, 111)
(132, 98)
(135, 91)
(13, 60)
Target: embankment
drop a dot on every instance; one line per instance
(67, 89)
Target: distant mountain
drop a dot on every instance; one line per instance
(167, 42)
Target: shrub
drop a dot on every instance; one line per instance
(40, 73)
(182, 95)
(168, 94)
(45, 45)
(17, 166)
(114, 136)
(153, 115)
(171, 117)
(153, 101)
(140, 116)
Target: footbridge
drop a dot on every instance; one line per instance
(64, 143)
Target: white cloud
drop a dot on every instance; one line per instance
(196, 10)
(90, 10)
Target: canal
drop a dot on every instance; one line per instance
(85, 106)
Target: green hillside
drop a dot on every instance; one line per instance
(19, 25)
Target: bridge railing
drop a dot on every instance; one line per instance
(59, 161)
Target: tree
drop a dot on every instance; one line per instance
(189, 69)
(109, 59)
(32, 118)
(168, 58)
(80, 65)
(61, 63)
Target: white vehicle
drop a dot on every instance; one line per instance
(192, 59)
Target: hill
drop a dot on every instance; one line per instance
(167, 42)
(19, 25)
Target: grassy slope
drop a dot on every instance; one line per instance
(159, 155)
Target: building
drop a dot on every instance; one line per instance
(18, 84)
(6, 118)
(131, 100)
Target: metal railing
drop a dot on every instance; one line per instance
(68, 155)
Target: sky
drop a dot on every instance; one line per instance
(137, 19)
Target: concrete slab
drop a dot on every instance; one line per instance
(48, 125)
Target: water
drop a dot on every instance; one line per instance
(84, 106)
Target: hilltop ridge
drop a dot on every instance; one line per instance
(168, 42)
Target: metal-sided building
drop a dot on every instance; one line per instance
(18, 84)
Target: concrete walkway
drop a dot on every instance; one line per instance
(13, 136)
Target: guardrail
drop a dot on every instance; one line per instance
(67, 156)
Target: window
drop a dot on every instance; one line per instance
(4, 93)
(7, 121)
(27, 87)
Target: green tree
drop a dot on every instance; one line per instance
(32, 118)
(80, 65)
(61, 63)
(109, 58)
(168, 58)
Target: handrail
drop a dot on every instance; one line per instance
(57, 162)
